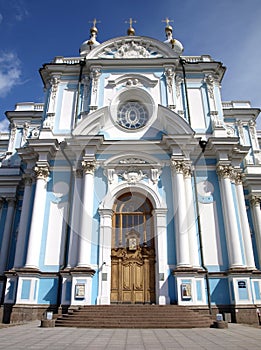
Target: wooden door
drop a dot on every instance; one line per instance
(132, 253)
(133, 276)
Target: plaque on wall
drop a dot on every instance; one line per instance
(79, 291)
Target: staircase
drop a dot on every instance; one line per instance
(134, 316)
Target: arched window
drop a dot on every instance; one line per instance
(132, 221)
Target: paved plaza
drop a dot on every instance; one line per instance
(31, 336)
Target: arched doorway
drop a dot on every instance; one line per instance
(132, 250)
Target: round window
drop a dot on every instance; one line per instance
(132, 115)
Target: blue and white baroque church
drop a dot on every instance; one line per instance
(132, 183)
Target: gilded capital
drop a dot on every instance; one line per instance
(237, 177)
(41, 172)
(255, 201)
(178, 165)
(187, 170)
(88, 166)
(225, 171)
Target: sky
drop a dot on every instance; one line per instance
(33, 32)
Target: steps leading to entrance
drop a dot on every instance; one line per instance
(134, 316)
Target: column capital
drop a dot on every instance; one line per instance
(225, 171)
(11, 201)
(41, 172)
(78, 172)
(89, 166)
(237, 176)
(255, 201)
(187, 170)
(27, 179)
(178, 166)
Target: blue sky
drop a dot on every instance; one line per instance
(33, 32)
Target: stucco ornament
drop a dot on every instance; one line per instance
(133, 176)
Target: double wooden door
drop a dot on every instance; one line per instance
(133, 276)
(132, 253)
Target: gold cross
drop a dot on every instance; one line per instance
(167, 21)
(94, 21)
(130, 21)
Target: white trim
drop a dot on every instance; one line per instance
(160, 217)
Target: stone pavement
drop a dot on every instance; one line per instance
(31, 336)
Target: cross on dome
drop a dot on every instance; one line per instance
(131, 30)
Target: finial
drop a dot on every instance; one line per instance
(93, 28)
(93, 32)
(168, 28)
(131, 30)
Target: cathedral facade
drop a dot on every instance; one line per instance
(132, 183)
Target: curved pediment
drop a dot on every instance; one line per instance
(166, 122)
(132, 47)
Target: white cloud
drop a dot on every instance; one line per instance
(10, 72)
(20, 10)
(4, 125)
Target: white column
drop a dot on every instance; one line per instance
(250, 261)
(21, 237)
(85, 236)
(256, 212)
(105, 256)
(228, 206)
(191, 219)
(35, 236)
(7, 234)
(162, 291)
(180, 215)
(75, 218)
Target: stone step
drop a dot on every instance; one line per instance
(134, 316)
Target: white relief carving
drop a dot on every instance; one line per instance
(209, 80)
(252, 130)
(25, 132)
(110, 175)
(216, 123)
(169, 74)
(155, 174)
(132, 177)
(178, 82)
(49, 121)
(230, 131)
(132, 50)
(241, 131)
(132, 161)
(132, 82)
(35, 133)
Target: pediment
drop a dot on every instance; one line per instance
(99, 122)
(131, 47)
